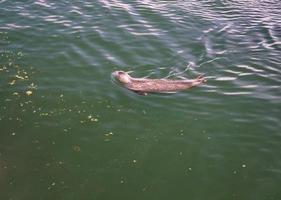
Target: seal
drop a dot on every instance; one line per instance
(144, 86)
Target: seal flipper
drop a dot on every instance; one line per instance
(140, 92)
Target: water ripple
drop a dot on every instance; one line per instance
(43, 3)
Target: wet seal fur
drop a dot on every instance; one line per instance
(144, 86)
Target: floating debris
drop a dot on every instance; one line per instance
(108, 134)
(28, 93)
(12, 82)
(92, 119)
(44, 114)
(52, 185)
(32, 86)
(19, 77)
(61, 162)
(77, 148)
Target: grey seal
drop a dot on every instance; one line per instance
(144, 86)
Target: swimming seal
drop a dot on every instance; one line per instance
(145, 85)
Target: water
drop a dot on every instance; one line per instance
(68, 131)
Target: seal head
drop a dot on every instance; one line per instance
(122, 77)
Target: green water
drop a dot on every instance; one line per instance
(68, 131)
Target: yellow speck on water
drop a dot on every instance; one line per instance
(134, 161)
(92, 119)
(12, 82)
(108, 134)
(28, 93)
(77, 148)
(32, 86)
(44, 114)
(243, 165)
(19, 77)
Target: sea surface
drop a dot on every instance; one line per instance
(69, 131)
